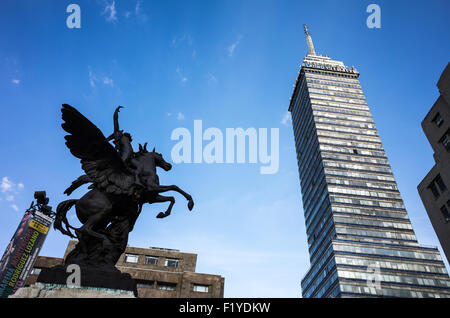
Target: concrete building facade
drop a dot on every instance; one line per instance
(159, 273)
(434, 190)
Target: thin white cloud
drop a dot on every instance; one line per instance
(138, 7)
(183, 79)
(92, 78)
(286, 119)
(108, 81)
(15, 81)
(139, 11)
(211, 78)
(9, 190)
(110, 12)
(185, 38)
(233, 46)
(6, 185)
(180, 116)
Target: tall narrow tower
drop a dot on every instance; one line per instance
(361, 243)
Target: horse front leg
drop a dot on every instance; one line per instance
(161, 198)
(177, 189)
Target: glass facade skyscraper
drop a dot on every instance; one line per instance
(361, 242)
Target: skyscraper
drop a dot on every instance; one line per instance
(361, 243)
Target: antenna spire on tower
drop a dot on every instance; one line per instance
(309, 41)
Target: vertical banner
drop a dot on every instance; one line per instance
(22, 251)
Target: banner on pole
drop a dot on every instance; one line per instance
(22, 251)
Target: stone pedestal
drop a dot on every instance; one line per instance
(42, 290)
(111, 279)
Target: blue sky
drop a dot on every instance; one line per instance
(231, 64)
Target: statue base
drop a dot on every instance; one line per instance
(41, 290)
(90, 278)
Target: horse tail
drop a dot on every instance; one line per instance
(61, 218)
(77, 183)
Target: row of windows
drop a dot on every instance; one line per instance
(351, 150)
(332, 83)
(386, 252)
(344, 129)
(358, 175)
(353, 144)
(346, 124)
(345, 230)
(333, 87)
(376, 203)
(354, 158)
(366, 193)
(356, 147)
(388, 264)
(341, 110)
(353, 220)
(372, 139)
(362, 184)
(338, 105)
(328, 76)
(371, 211)
(356, 98)
(337, 99)
(387, 278)
(336, 116)
(141, 283)
(151, 260)
(385, 292)
(352, 166)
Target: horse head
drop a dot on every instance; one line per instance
(153, 155)
(160, 162)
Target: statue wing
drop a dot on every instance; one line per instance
(99, 159)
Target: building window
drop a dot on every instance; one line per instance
(434, 190)
(201, 288)
(142, 283)
(438, 120)
(440, 183)
(355, 151)
(445, 140)
(152, 260)
(166, 286)
(437, 182)
(445, 212)
(171, 262)
(131, 258)
(35, 271)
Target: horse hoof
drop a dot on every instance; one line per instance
(161, 215)
(190, 205)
